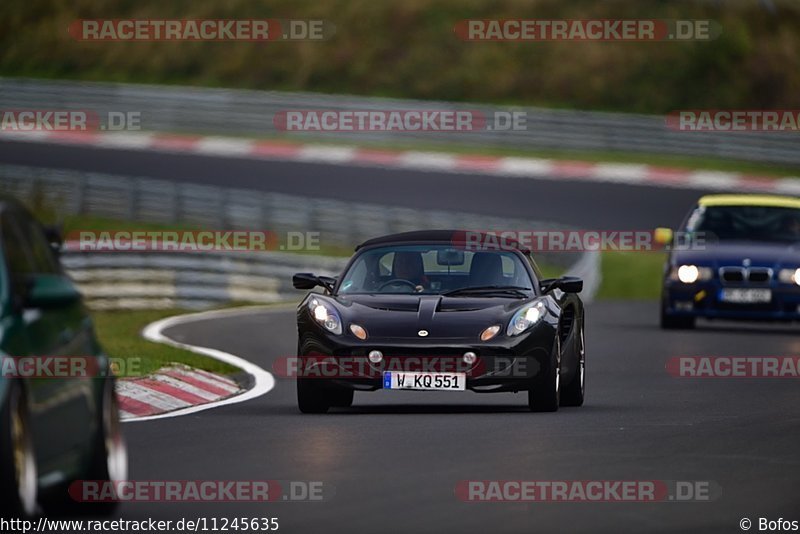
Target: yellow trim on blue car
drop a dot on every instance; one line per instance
(750, 200)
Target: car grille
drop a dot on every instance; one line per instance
(752, 275)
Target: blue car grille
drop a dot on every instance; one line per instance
(745, 275)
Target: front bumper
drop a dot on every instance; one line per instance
(509, 364)
(702, 299)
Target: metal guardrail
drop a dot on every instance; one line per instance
(197, 280)
(251, 113)
(340, 223)
(202, 280)
(190, 280)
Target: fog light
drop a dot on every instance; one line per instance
(470, 357)
(375, 356)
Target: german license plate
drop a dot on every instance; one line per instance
(425, 381)
(745, 296)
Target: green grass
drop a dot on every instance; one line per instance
(631, 275)
(119, 333)
(408, 48)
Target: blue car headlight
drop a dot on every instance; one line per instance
(326, 315)
(789, 276)
(689, 274)
(526, 318)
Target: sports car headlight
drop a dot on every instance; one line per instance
(326, 315)
(689, 274)
(789, 276)
(526, 318)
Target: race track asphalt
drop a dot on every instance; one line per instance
(597, 206)
(395, 458)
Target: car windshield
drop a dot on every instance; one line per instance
(746, 223)
(434, 269)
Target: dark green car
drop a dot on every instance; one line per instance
(57, 426)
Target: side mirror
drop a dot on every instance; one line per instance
(305, 281)
(570, 284)
(55, 238)
(567, 284)
(50, 291)
(663, 236)
(310, 281)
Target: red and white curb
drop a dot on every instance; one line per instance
(180, 390)
(519, 167)
(171, 388)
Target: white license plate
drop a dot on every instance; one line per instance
(425, 381)
(746, 296)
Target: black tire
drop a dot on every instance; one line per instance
(342, 398)
(108, 461)
(673, 322)
(18, 474)
(544, 394)
(573, 394)
(311, 398)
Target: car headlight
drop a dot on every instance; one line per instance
(689, 274)
(526, 318)
(326, 315)
(789, 276)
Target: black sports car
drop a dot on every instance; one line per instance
(430, 311)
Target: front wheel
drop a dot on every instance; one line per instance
(545, 393)
(673, 322)
(573, 393)
(342, 398)
(107, 463)
(18, 474)
(311, 398)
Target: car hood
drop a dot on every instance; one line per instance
(403, 316)
(736, 252)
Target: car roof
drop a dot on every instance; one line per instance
(773, 201)
(440, 236)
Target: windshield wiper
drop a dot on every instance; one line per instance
(480, 290)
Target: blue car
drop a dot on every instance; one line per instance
(734, 257)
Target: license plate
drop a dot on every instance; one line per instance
(425, 381)
(746, 296)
